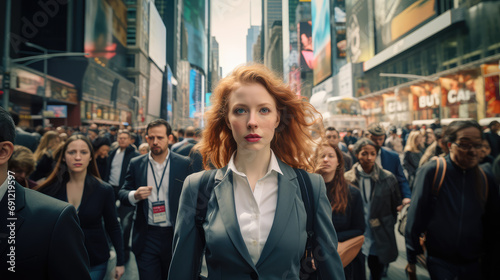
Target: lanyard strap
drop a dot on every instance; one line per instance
(161, 180)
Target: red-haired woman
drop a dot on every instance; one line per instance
(345, 200)
(75, 179)
(255, 227)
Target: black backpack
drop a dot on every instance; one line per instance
(207, 184)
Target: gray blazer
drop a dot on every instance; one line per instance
(226, 254)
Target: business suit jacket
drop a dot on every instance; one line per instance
(98, 203)
(391, 162)
(185, 149)
(226, 253)
(48, 240)
(25, 139)
(136, 177)
(130, 153)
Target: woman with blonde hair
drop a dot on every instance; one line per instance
(255, 227)
(413, 152)
(44, 155)
(345, 200)
(22, 163)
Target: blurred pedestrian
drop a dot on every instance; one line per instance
(257, 130)
(101, 147)
(438, 148)
(22, 163)
(44, 155)
(381, 198)
(333, 137)
(413, 154)
(493, 138)
(346, 203)
(75, 179)
(458, 212)
(144, 148)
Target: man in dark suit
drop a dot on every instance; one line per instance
(118, 161)
(24, 138)
(493, 138)
(40, 237)
(390, 161)
(154, 183)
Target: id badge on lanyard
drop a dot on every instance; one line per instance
(159, 210)
(159, 213)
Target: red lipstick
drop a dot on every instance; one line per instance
(253, 137)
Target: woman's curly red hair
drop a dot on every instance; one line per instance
(292, 142)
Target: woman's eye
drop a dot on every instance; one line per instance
(264, 110)
(71, 152)
(239, 110)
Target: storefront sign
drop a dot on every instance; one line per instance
(461, 95)
(428, 101)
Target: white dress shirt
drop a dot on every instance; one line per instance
(162, 194)
(116, 168)
(255, 210)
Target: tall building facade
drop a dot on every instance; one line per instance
(252, 34)
(271, 18)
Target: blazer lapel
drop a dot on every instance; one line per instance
(142, 170)
(224, 193)
(174, 187)
(287, 190)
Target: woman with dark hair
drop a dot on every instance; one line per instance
(44, 155)
(75, 179)
(101, 147)
(255, 227)
(381, 197)
(22, 163)
(345, 200)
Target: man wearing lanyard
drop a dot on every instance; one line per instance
(154, 183)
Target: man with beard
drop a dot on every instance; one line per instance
(153, 183)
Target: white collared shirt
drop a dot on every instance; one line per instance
(255, 210)
(116, 168)
(162, 194)
(378, 159)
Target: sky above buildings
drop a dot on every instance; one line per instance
(230, 23)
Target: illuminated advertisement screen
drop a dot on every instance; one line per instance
(195, 93)
(321, 32)
(340, 28)
(194, 21)
(395, 18)
(106, 32)
(57, 111)
(491, 73)
(170, 93)
(306, 46)
(360, 43)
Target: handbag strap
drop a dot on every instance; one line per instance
(307, 197)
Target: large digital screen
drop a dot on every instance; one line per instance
(195, 23)
(395, 18)
(306, 46)
(157, 38)
(360, 43)
(195, 93)
(321, 32)
(57, 111)
(106, 32)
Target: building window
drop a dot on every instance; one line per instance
(131, 35)
(131, 60)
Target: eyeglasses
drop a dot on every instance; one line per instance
(330, 136)
(468, 146)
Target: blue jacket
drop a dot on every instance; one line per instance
(391, 162)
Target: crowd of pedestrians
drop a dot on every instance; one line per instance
(83, 191)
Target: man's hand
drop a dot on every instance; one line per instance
(142, 192)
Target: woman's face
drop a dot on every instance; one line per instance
(54, 142)
(252, 117)
(367, 157)
(102, 152)
(419, 141)
(486, 148)
(77, 156)
(327, 160)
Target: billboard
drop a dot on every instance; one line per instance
(170, 94)
(339, 16)
(56, 111)
(394, 19)
(360, 41)
(106, 32)
(195, 23)
(157, 38)
(321, 33)
(304, 30)
(491, 73)
(196, 80)
(155, 86)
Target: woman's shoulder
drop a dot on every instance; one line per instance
(354, 191)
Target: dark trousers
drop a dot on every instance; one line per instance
(376, 267)
(444, 270)
(154, 259)
(126, 215)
